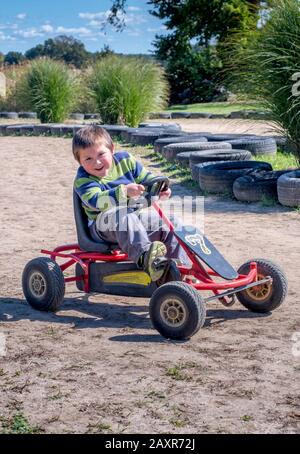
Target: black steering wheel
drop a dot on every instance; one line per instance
(152, 189)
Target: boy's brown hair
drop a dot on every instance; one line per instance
(87, 137)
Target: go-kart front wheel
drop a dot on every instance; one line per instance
(177, 310)
(43, 284)
(265, 297)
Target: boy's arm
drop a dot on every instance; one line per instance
(97, 199)
(140, 174)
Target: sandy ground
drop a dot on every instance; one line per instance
(216, 126)
(222, 126)
(97, 365)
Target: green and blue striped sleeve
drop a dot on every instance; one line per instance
(140, 174)
(94, 198)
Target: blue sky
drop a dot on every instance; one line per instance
(26, 23)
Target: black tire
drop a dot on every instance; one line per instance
(126, 133)
(75, 116)
(197, 157)
(219, 177)
(183, 159)
(256, 146)
(163, 141)
(12, 129)
(115, 131)
(185, 303)
(223, 137)
(44, 129)
(27, 115)
(259, 184)
(158, 115)
(10, 115)
(180, 115)
(168, 126)
(280, 141)
(267, 297)
(150, 124)
(196, 169)
(91, 116)
(145, 138)
(288, 188)
(43, 284)
(114, 127)
(170, 151)
(197, 115)
(20, 129)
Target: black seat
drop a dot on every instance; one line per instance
(85, 241)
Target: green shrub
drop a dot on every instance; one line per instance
(85, 102)
(50, 89)
(266, 61)
(14, 100)
(126, 89)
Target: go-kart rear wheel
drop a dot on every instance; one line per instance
(265, 297)
(43, 284)
(177, 310)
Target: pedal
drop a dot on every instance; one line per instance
(160, 262)
(228, 302)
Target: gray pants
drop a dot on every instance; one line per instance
(134, 231)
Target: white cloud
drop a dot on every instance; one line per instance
(21, 16)
(95, 23)
(100, 18)
(79, 31)
(28, 33)
(47, 28)
(8, 26)
(156, 30)
(4, 37)
(134, 33)
(134, 18)
(95, 16)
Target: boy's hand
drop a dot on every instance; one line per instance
(134, 190)
(165, 194)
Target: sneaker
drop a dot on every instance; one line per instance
(154, 260)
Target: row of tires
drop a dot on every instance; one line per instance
(164, 115)
(241, 114)
(158, 135)
(54, 129)
(249, 181)
(220, 166)
(33, 115)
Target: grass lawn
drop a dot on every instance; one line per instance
(216, 107)
(280, 161)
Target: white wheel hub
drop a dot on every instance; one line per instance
(173, 312)
(37, 284)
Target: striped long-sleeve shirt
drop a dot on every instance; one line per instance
(100, 194)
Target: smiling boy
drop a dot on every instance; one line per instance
(105, 181)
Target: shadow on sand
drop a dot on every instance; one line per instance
(105, 315)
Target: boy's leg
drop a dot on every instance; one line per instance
(158, 231)
(123, 227)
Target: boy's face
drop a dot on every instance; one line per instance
(96, 160)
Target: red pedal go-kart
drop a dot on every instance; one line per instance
(177, 309)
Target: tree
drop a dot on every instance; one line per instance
(102, 53)
(13, 58)
(35, 52)
(197, 30)
(65, 48)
